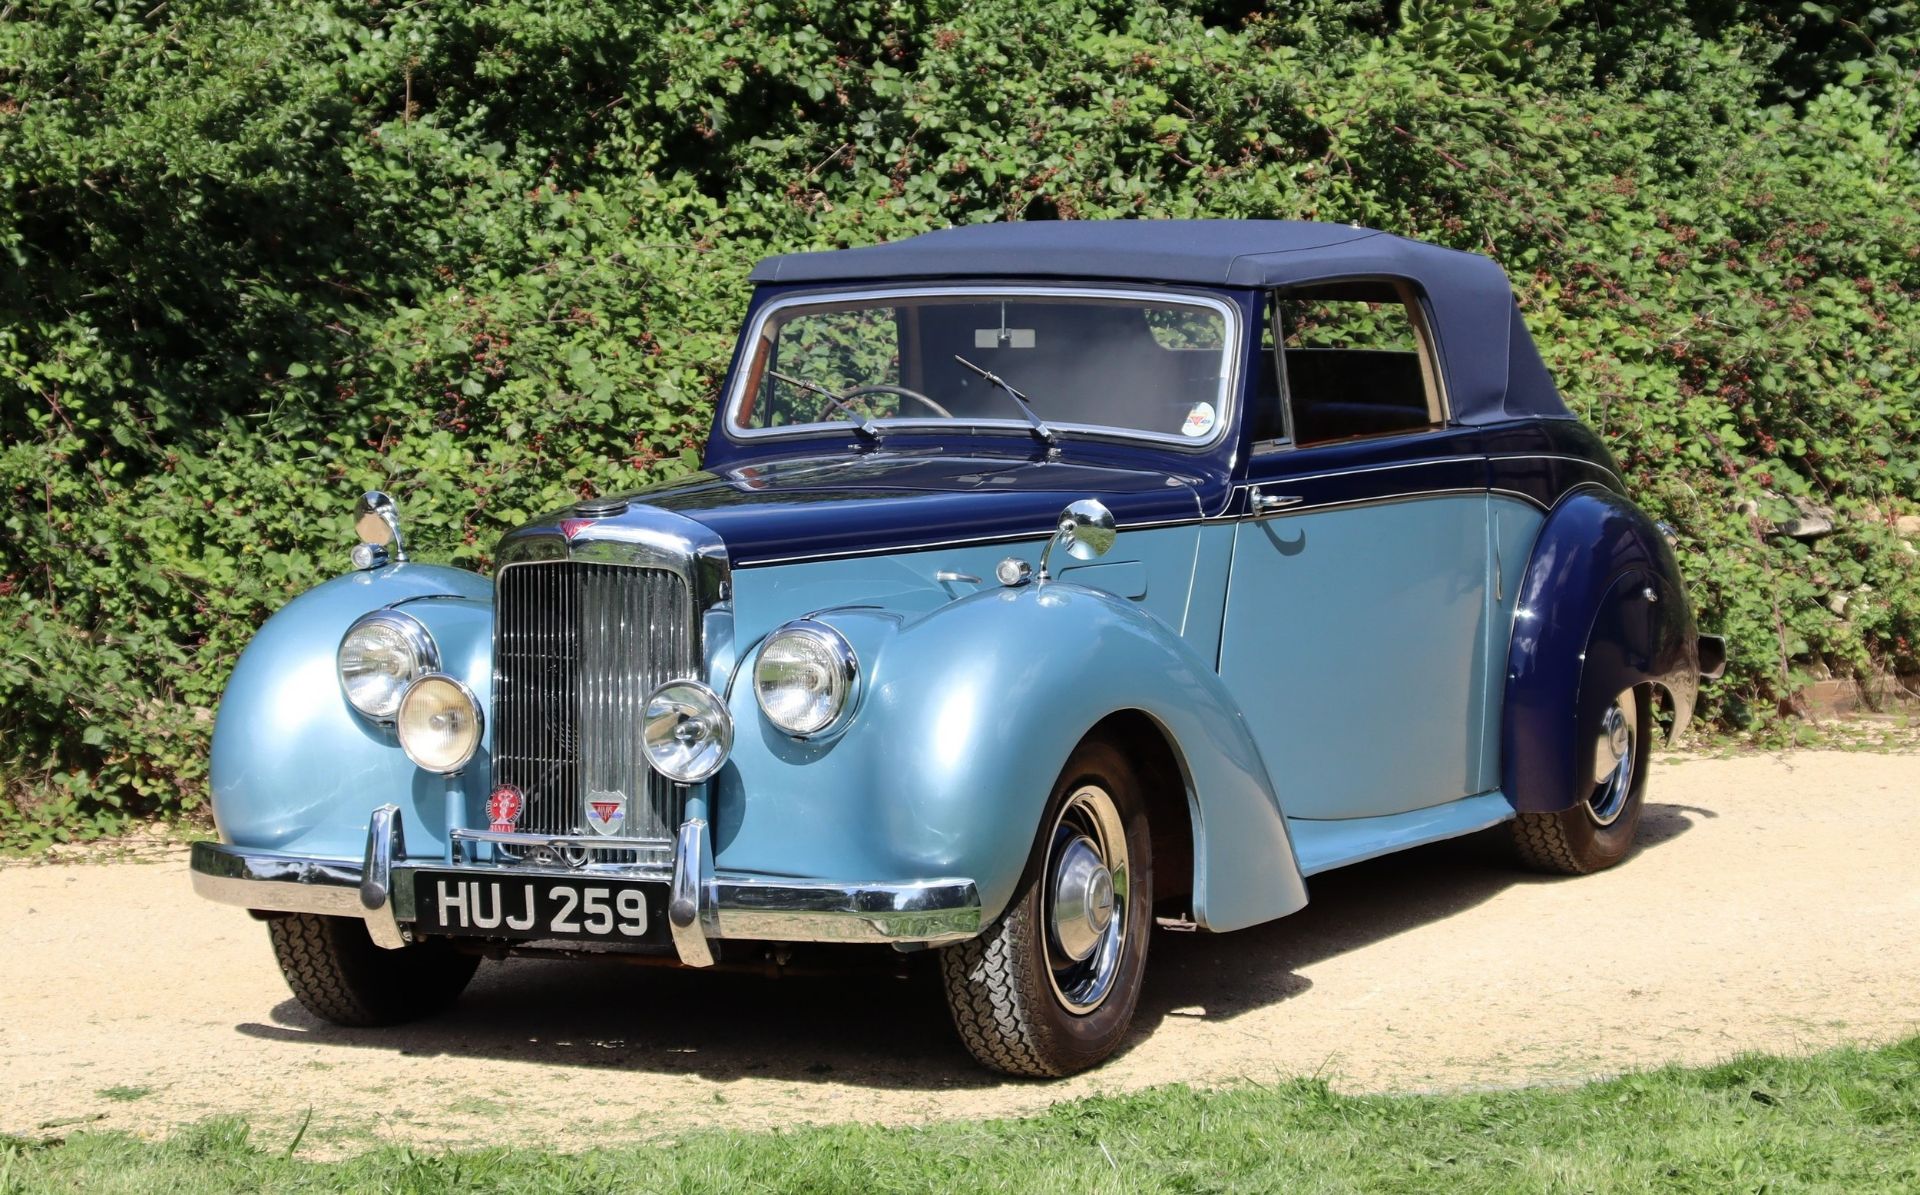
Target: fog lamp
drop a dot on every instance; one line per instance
(440, 723)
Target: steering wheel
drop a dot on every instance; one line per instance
(902, 392)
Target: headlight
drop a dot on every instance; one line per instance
(805, 678)
(687, 732)
(439, 724)
(379, 656)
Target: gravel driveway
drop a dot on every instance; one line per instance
(1774, 904)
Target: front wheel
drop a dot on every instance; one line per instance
(1598, 832)
(339, 975)
(1051, 988)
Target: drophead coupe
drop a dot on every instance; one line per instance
(1044, 584)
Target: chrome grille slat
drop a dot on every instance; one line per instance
(578, 646)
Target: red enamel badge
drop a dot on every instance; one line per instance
(503, 808)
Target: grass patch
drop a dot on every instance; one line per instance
(121, 1093)
(1846, 1120)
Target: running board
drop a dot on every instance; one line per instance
(1322, 845)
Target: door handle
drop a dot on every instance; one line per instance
(1261, 504)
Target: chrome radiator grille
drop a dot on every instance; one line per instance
(577, 648)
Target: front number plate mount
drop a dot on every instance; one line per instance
(583, 908)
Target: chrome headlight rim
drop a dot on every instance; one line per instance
(845, 663)
(412, 632)
(722, 721)
(478, 737)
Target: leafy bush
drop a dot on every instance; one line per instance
(265, 257)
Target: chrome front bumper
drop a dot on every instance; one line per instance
(702, 905)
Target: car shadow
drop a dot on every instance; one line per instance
(1351, 908)
(890, 1031)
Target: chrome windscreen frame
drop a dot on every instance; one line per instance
(1224, 401)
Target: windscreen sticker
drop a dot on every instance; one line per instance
(1199, 420)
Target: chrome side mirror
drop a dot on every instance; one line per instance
(376, 520)
(1087, 531)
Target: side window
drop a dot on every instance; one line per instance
(1354, 359)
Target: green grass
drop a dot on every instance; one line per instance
(1847, 1120)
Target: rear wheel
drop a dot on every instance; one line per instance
(339, 975)
(1598, 832)
(1051, 988)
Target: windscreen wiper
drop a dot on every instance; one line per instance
(866, 427)
(1040, 429)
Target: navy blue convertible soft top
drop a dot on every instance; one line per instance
(1492, 369)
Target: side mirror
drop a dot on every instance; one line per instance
(376, 520)
(1087, 531)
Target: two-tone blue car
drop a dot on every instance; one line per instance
(1044, 583)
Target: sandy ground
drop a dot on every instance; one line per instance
(1774, 904)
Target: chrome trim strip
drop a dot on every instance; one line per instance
(657, 870)
(596, 841)
(1351, 503)
(728, 906)
(1229, 376)
(1224, 516)
(1290, 479)
(972, 541)
(1293, 478)
(1556, 456)
(1529, 499)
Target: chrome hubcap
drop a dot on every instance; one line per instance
(1082, 899)
(1613, 754)
(1086, 899)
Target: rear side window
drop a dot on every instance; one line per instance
(1348, 360)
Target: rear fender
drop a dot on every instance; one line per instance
(967, 716)
(1601, 609)
(295, 768)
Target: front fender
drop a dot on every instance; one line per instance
(1601, 608)
(297, 769)
(966, 718)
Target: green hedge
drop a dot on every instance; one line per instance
(260, 257)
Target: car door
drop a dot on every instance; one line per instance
(1356, 619)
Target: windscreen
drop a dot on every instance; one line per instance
(1144, 364)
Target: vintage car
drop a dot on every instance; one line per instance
(1045, 584)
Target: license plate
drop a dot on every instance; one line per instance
(537, 907)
